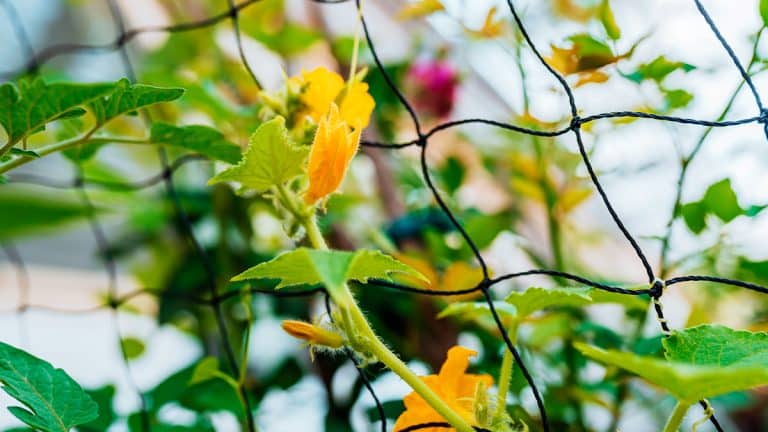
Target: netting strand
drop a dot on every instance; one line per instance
(215, 299)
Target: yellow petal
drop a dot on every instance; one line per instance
(322, 88)
(492, 28)
(333, 148)
(420, 9)
(594, 76)
(565, 61)
(357, 106)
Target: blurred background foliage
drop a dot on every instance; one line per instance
(525, 200)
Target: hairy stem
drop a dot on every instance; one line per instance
(505, 375)
(364, 338)
(68, 144)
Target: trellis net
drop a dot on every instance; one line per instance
(215, 298)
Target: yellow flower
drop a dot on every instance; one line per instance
(332, 150)
(314, 335)
(323, 88)
(453, 385)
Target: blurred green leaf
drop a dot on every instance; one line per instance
(25, 107)
(53, 401)
(720, 200)
(200, 139)
(695, 216)
(271, 159)
(687, 382)
(290, 40)
(28, 210)
(658, 69)
(103, 397)
(764, 11)
(133, 347)
(676, 98)
(535, 299)
(480, 312)
(609, 21)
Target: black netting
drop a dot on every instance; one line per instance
(214, 300)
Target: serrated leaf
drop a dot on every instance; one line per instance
(200, 139)
(103, 397)
(29, 210)
(27, 106)
(271, 159)
(329, 268)
(128, 97)
(535, 298)
(717, 345)
(687, 382)
(53, 401)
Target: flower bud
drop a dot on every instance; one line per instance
(314, 335)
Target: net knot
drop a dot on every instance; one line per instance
(576, 122)
(657, 288)
(763, 116)
(422, 141)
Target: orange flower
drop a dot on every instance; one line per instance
(453, 385)
(322, 88)
(332, 150)
(313, 334)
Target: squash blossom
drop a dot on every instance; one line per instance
(322, 87)
(342, 112)
(332, 150)
(453, 385)
(314, 335)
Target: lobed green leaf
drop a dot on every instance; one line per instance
(53, 402)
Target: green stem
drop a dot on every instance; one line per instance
(67, 144)
(364, 336)
(505, 375)
(676, 418)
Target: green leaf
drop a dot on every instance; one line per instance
(53, 401)
(609, 21)
(207, 369)
(133, 347)
(200, 139)
(271, 159)
(103, 397)
(676, 98)
(480, 313)
(128, 97)
(687, 382)
(534, 299)
(329, 268)
(695, 216)
(29, 210)
(290, 40)
(25, 153)
(717, 345)
(764, 11)
(27, 106)
(720, 200)
(658, 69)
